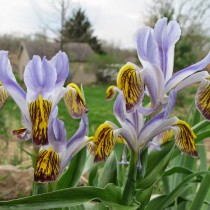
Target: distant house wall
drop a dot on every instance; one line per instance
(79, 74)
(24, 59)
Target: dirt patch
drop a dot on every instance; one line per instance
(15, 183)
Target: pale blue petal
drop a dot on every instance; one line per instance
(170, 104)
(131, 141)
(155, 126)
(119, 107)
(147, 48)
(61, 63)
(166, 37)
(147, 111)
(57, 136)
(10, 84)
(192, 79)
(155, 84)
(77, 142)
(155, 145)
(125, 119)
(39, 77)
(183, 74)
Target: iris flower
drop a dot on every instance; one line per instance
(44, 80)
(155, 48)
(53, 158)
(139, 134)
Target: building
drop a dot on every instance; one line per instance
(78, 54)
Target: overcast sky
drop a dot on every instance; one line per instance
(113, 20)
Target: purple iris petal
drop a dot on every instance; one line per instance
(154, 81)
(39, 77)
(166, 37)
(147, 47)
(81, 132)
(155, 145)
(10, 84)
(61, 63)
(182, 74)
(192, 79)
(77, 142)
(155, 126)
(119, 107)
(171, 103)
(147, 111)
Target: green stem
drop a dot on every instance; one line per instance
(129, 189)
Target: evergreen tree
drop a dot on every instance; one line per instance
(79, 29)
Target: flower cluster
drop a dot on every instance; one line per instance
(44, 80)
(145, 126)
(140, 126)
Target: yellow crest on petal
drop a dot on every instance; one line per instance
(185, 138)
(129, 81)
(47, 166)
(110, 92)
(102, 144)
(74, 101)
(121, 140)
(203, 99)
(39, 111)
(166, 136)
(3, 95)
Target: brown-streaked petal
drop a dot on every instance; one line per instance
(3, 95)
(74, 101)
(185, 138)
(102, 144)
(22, 133)
(39, 111)
(47, 166)
(202, 98)
(110, 92)
(130, 82)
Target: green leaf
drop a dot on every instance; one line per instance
(165, 201)
(201, 125)
(156, 165)
(109, 172)
(110, 196)
(143, 196)
(201, 193)
(72, 175)
(177, 169)
(93, 175)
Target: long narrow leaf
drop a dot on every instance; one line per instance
(201, 194)
(72, 175)
(170, 198)
(110, 196)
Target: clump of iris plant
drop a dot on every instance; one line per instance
(44, 80)
(148, 126)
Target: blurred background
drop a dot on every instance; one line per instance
(99, 37)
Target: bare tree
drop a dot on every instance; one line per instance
(53, 15)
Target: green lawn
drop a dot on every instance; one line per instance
(100, 110)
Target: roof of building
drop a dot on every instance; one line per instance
(76, 51)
